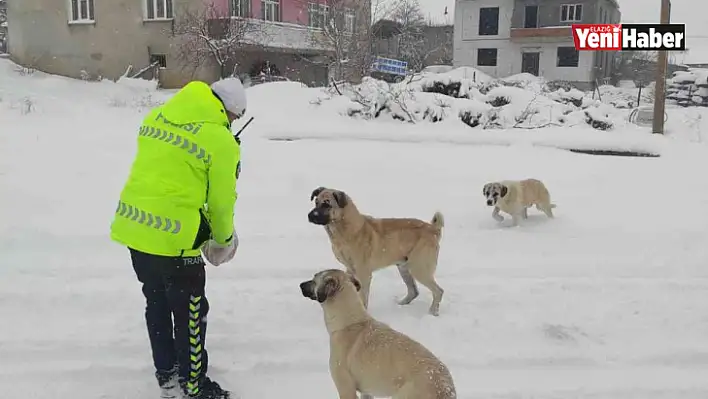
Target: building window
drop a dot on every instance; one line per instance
(349, 20)
(568, 57)
(270, 10)
(240, 8)
(158, 9)
(317, 15)
(487, 57)
(82, 11)
(159, 59)
(571, 12)
(488, 21)
(531, 17)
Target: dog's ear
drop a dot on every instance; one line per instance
(504, 190)
(327, 288)
(341, 198)
(355, 281)
(316, 192)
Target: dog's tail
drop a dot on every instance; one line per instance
(438, 221)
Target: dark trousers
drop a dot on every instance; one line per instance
(175, 312)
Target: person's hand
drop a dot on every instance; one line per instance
(216, 253)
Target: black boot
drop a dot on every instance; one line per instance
(206, 389)
(169, 386)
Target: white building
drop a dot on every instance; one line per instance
(506, 37)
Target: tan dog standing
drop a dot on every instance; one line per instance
(365, 244)
(369, 356)
(516, 196)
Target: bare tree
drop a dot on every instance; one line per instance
(332, 26)
(3, 26)
(641, 66)
(411, 39)
(438, 44)
(344, 29)
(341, 29)
(210, 34)
(409, 36)
(380, 10)
(644, 65)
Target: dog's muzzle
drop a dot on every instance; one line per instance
(318, 216)
(490, 202)
(308, 290)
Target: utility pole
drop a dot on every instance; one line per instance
(661, 66)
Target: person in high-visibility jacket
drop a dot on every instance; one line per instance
(177, 204)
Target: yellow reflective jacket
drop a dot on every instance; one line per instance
(186, 158)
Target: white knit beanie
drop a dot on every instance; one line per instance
(232, 94)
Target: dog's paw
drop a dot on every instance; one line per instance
(403, 302)
(406, 300)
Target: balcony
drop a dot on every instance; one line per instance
(545, 34)
(281, 36)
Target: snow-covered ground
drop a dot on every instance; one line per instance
(607, 301)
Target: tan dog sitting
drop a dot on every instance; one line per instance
(365, 244)
(515, 197)
(369, 356)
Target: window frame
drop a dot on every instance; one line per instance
(575, 8)
(318, 12)
(168, 9)
(160, 58)
(349, 20)
(75, 15)
(536, 22)
(480, 31)
(491, 63)
(269, 5)
(559, 59)
(240, 8)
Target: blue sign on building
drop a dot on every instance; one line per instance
(390, 66)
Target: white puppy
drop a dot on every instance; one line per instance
(516, 196)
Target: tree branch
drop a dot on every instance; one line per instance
(209, 34)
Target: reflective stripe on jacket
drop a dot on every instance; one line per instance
(186, 158)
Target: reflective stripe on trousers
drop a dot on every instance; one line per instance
(195, 345)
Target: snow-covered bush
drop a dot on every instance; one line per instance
(138, 84)
(571, 96)
(473, 98)
(689, 88)
(459, 83)
(598, 119)
(135, 93)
